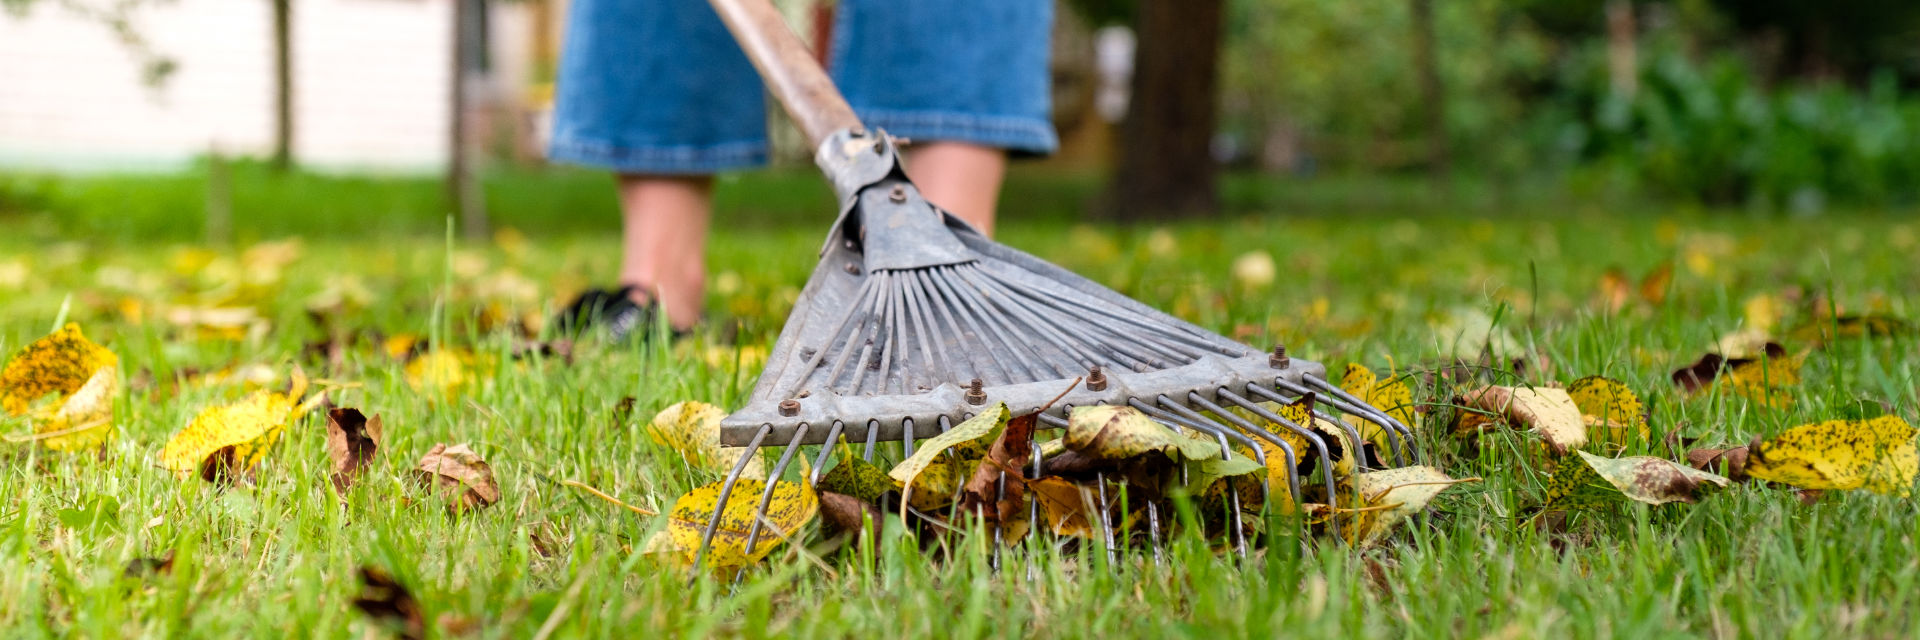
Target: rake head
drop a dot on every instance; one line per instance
(913, 321)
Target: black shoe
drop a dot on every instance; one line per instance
(613, 310)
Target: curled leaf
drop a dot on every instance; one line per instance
(1391, 395)
(1389, 497)
(82, 376)
(931, 476)
(1546, 411)
(458, 473)
(352, 439)
(1591, 481)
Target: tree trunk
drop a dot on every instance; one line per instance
(282, 85)
(1166, 166)
(1426, 59)
(463, 190)
(1623, 67)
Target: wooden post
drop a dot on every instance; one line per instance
(463, 189)
(282, 85)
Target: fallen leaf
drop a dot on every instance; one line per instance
(457, 471)
(791, 507)
(144, 567)
(1822, 331)
(1389, 497)
(352, 439)
(1591, 481)
(854, 476)
(931, 476)
(1766, 380)
(1108, 432)
(842, 512)
(82, 376)
(1468, 333)
(1390, 395)
(1877, 455)
(692, 428)
(1254, 269)
(1617, 289)
(983, 495)
(389, 604)
(1544, 410)
(227, 441)
(1730, 462)
(1069, 507)
(1613, 414)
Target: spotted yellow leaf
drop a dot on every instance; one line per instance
(1613, 414)
(1390, 395)
(82, 377)
(692, 428)
(1112, 432)
(932, 476)
(243, 431)
(856, 477)
(1590, 481)
(1877, 455)
(790, 507)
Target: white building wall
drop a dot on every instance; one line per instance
(370, 83)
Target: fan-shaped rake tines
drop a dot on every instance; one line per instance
(913, 321)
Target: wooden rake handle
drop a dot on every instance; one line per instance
(789, 69)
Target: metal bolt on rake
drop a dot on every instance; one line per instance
(907, 301)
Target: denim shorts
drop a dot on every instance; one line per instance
(658, 86)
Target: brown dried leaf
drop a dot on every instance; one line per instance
(842, 512)
(352, 439)
(447, 470)
(1730, 462)
(981, 495)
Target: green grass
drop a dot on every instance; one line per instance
(1356, 283)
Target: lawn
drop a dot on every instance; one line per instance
(1375, 283)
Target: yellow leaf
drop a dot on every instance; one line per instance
(249, 426)
(82, 376)
(692, 428)
(792, 506)
(944, 474)
(1114, 433)
(1613, 414)
(1877, 455)
(1391, 396)
(59, 363)
(1390, 496)
(440, 371)
(1544, 410)
(85, 419)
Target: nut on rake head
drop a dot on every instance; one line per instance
(1096, 379)
(1279, 359)
(976, 392)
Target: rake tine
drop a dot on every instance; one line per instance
(999, 536)
(936, 359)
(906, 435)
(1153, 531)
(1106, 520)
(873, 323)
(1286, 448)
(1116, 345)
(1397, 434)
(773, 480)
(873, 436)
(826, 449)
(1319, 444)
(1187, 417)
(720, 505)
(1072, 347)
(1271, 396)
(888, 354)
(1239, 528)
(1033, 515)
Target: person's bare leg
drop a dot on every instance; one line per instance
(961, 178)
(664, 244)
